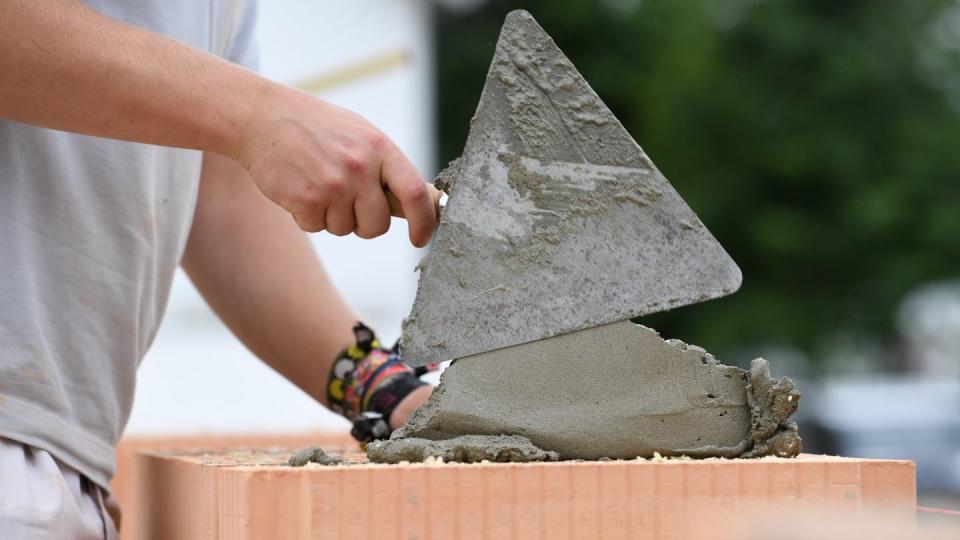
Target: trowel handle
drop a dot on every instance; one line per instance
(396, 210)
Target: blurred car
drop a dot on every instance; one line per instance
(889, 417)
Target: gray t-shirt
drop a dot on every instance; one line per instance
(91, 231)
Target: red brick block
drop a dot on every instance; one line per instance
(253, 495)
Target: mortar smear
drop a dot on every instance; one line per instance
(463, 449)
(616, 391)
(314, 454)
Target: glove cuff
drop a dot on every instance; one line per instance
(367, 383)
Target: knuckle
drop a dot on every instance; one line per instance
(415, 190)
(355, 165)
(311, 196)
(373, 230)
(383, 228)
(336, 185)
(377, 140)
(308, 225)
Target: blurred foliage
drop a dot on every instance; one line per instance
(818, 140)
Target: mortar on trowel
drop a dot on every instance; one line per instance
(558, 230)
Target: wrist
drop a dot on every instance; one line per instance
(249, 118)
(373, 388)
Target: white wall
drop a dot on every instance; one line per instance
(197, 377)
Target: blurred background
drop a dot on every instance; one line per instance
(818, 140)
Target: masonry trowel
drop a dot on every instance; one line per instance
(557, 221)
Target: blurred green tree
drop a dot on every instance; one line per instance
(818, 140)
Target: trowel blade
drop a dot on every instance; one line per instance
(557, 220)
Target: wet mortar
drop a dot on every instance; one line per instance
(617, 391)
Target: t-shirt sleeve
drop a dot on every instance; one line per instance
(245, 48)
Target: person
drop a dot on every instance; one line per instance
(135, 136)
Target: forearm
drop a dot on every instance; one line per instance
(67, 67)
(259, 272)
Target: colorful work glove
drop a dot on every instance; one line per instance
(367, 382)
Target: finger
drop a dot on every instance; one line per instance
(372, 213)
(402, 178)
(340, 219)
(313, 222)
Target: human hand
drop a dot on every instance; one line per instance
(333, 170)
(374, 388)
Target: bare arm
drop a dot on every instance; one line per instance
(262, 277)
(64, 66)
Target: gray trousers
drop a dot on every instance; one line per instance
(42, 498)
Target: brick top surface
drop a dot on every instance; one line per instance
(276, 458)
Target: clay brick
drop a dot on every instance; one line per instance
(124, 481)
(250, 495)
